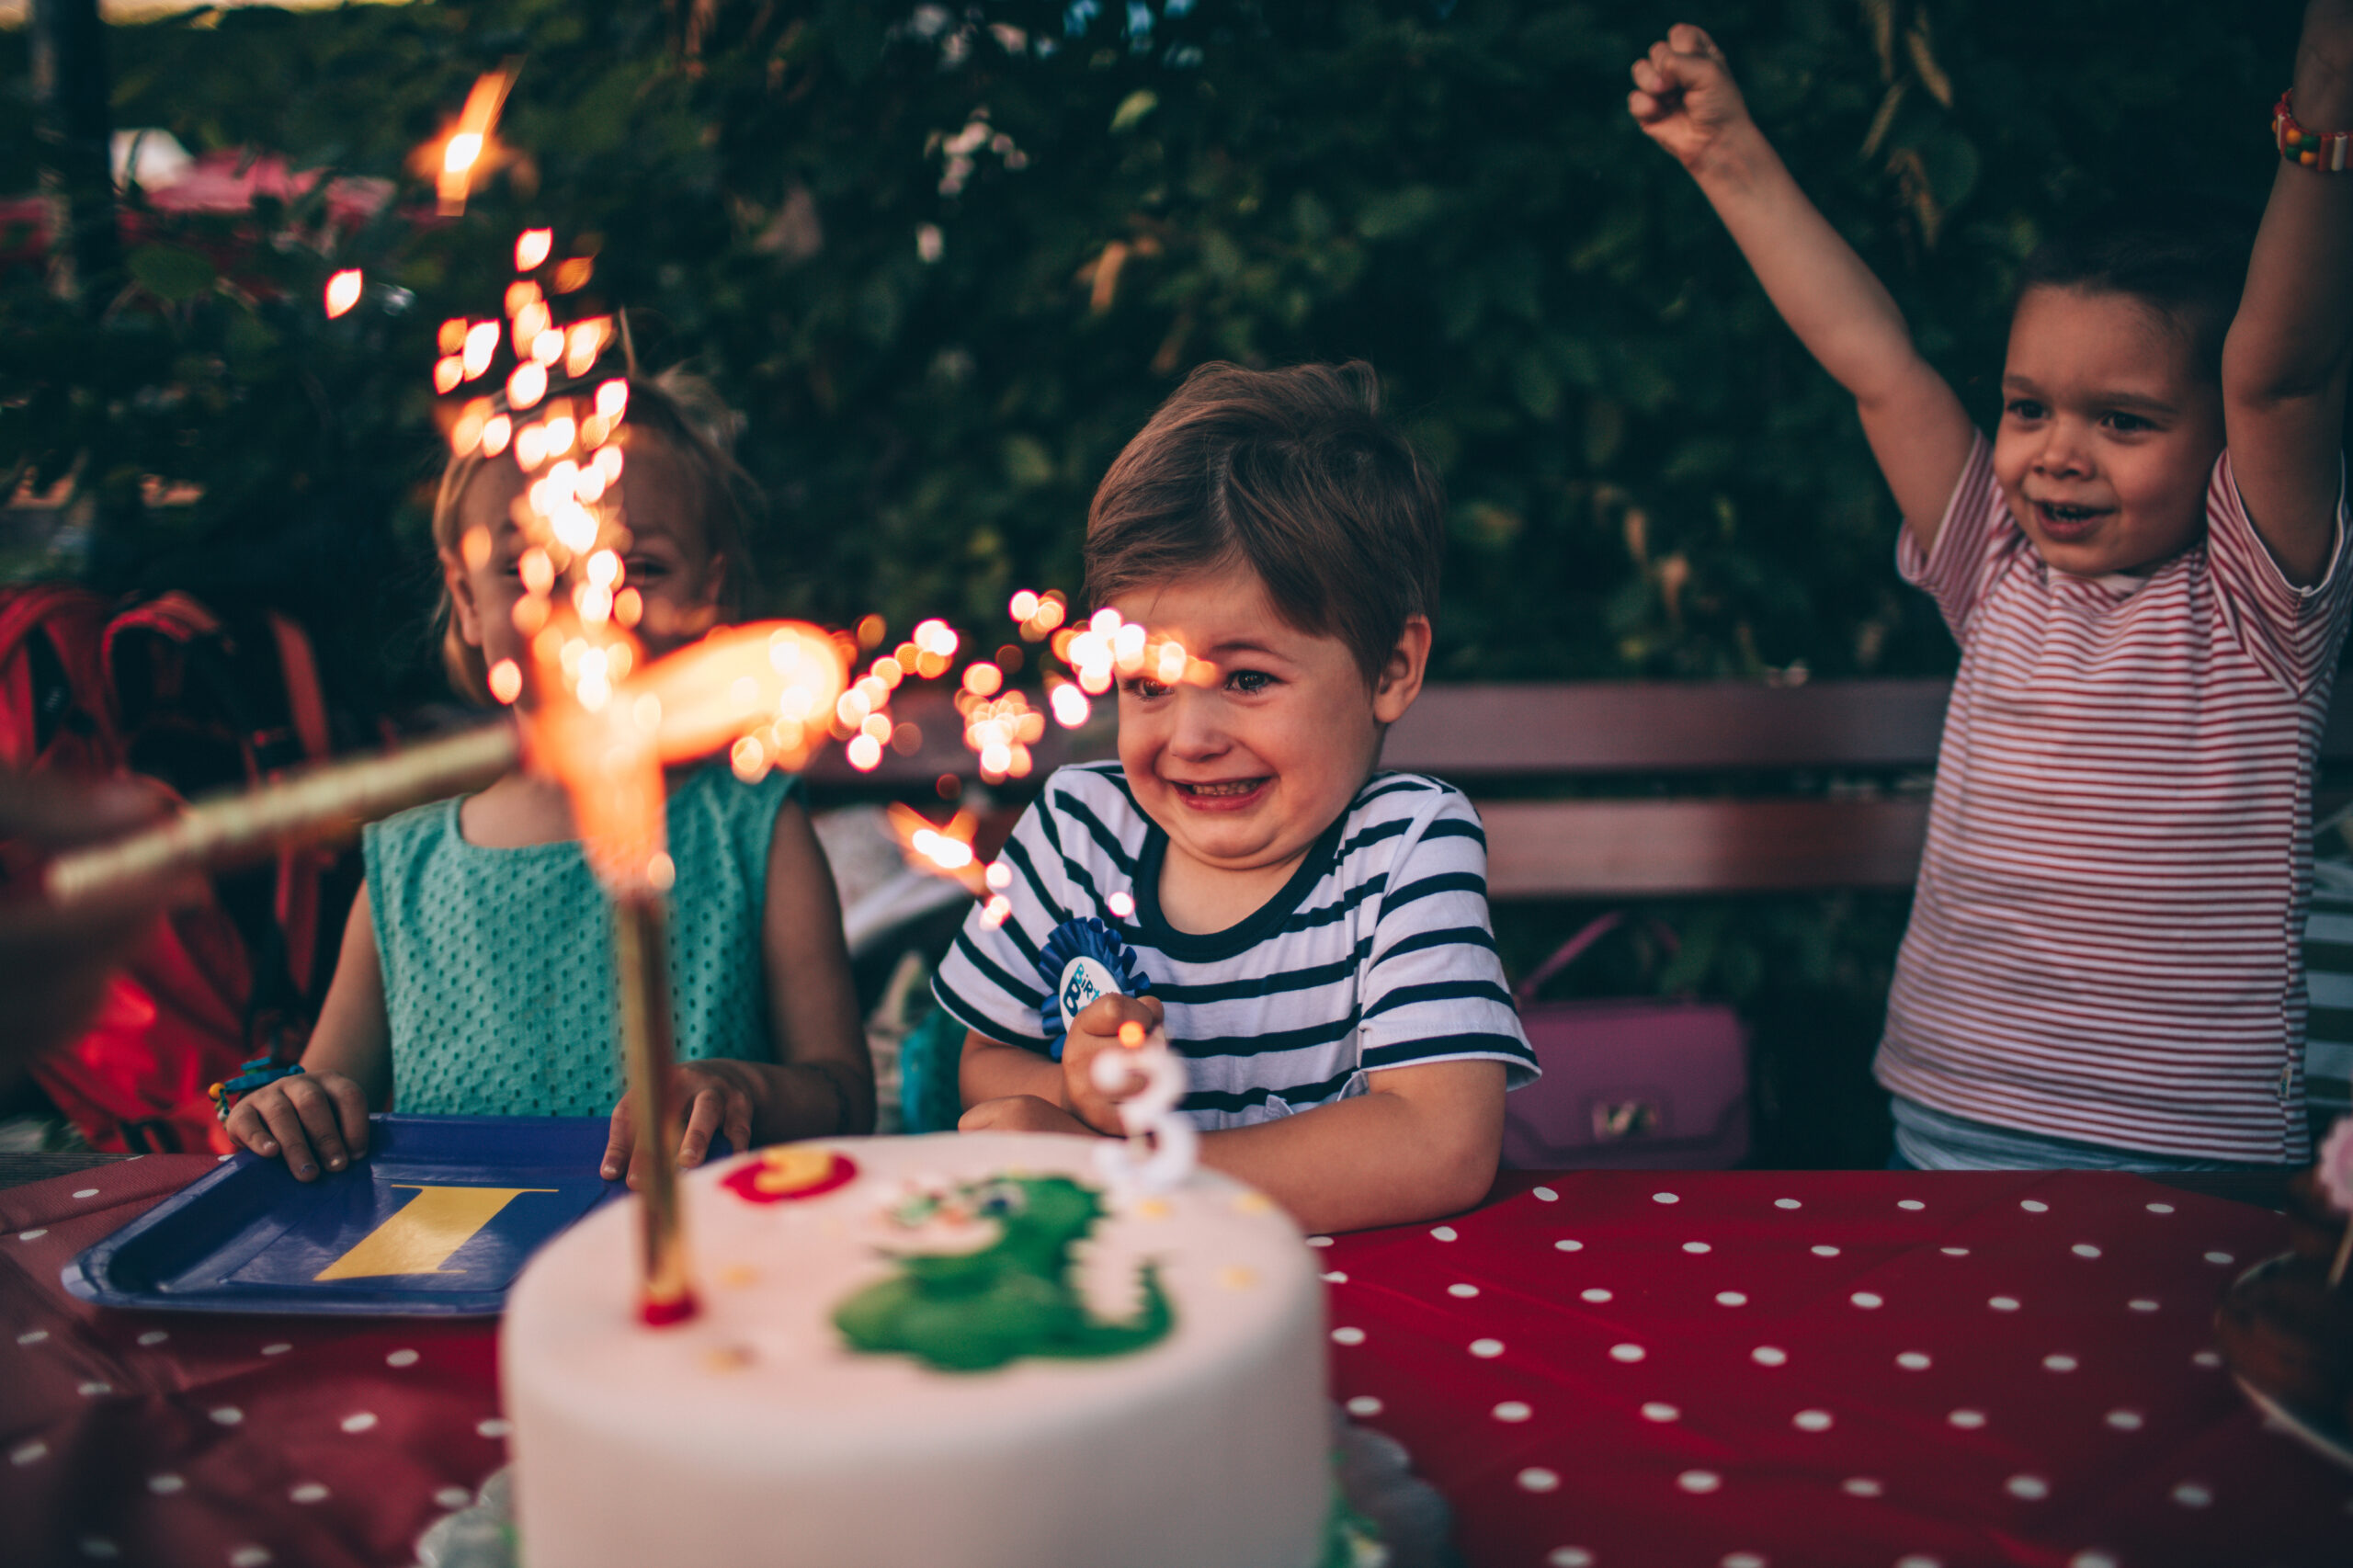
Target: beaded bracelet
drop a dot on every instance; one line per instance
(2320, 149)
(253, 1075)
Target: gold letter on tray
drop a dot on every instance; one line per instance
(420, 1236)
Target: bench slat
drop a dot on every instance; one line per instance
(1611, 848)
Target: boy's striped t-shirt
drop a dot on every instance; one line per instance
(1377, 953)
(2106, 935)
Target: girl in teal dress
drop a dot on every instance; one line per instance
(476, 976)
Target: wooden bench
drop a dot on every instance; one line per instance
(1684, 787)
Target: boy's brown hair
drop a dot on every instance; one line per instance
(1294, 473)
(686, 414)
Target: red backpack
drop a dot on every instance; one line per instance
(166, 689)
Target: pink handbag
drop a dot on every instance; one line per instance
(1636, 1083)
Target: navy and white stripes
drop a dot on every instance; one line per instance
(1376, 954)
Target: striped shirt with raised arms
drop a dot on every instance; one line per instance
(1377, 953)
(2104, 943)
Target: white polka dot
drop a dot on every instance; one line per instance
(1537, 1479)
(32, 1235)
(2124, 1420)
(2191, 1495)
(1823, 1249)
(308, 1491)
(2002, 1303)
(1544, 1195)
(2060, 1361)
(164, 1485)
(1487, 1349)
(2210, 1359)
(2031, 1488)
(1566, 1245)
(224, 1159)
(2219, 1258)
(281, 1348)
(1868, 1299)
(2034, 1206)
(1512, 1410)
(1954, 1252)
(249, 1556)
(1628, 1354)
(498, 1426)
(93, 1389)
(1699, 1481)
(1787, 1203)
(1740, 1559)
(361, 1420)
(1909, 1203)
(1919, 1559)
(1659, 1409)
(1913, 1360)
(1594, 1293)
(453, 1496)
(2085, 1249)
(2088, 1558)
(1968, 1420)
(87, 1192)
(1768, 1356)
(1444, 1233)
(1812, 1421)
(32, 1336)
(228, 1415)
(1861, 1487)
(1364, 1404)
(1346, 1335)
(29, 1453)
(1465, 1292)
(400, 1358)
(1319, 1241)
(1665, 1197)
(154, 1336)
(2142, 1304)
(1696, 1246)
(100, 1547)
(1570, 1557)
(1334, 1277)
(2160, 1208)
(1730, 1298)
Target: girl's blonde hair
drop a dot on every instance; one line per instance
(687, 416)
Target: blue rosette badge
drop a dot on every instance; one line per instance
(1083, 960)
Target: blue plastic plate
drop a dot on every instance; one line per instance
(436, 1221)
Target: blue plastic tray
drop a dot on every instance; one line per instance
(436, 1221)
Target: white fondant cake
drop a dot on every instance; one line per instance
(753, 1433)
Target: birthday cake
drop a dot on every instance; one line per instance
(944, 1349)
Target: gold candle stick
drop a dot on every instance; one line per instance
(641, 959)
(318, 804)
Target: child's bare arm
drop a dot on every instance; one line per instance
(1685, 100)
(1422, 1141)
(992, 1070)
(320, 1116)
(2284, 363)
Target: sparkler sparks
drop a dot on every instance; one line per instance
(343, 291)
(470, 140)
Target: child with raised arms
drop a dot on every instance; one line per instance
(1314, 933)
(2144, 569)
(476, 975)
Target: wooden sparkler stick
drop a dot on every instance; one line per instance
(640, 951)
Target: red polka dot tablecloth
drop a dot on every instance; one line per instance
(1738, 1369)
(1724, 1370)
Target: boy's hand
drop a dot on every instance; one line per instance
(1684, 97)
(713, 1097)
(1094, 1031)
(309, 1117)
(1020, 1113)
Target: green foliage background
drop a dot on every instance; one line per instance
(1649, 477)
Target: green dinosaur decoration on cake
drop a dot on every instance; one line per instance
(975, 1311)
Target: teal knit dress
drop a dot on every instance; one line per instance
(498, 963)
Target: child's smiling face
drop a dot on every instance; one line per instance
(2109, 431)
(1246, 773)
